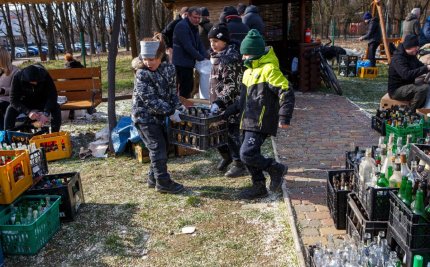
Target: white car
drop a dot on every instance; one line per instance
(19, 52)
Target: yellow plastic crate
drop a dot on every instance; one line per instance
(368, 72)
(15, 175)
(56, 145)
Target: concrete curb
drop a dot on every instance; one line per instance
(297, 241)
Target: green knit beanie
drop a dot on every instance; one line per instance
(253, 44)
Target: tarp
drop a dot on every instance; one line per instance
(122, 133)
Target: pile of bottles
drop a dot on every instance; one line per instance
(342, 181)
(52, 146)
(354, 252)
(399, 116)
(389, 168)
(48, 184)
(28, 211)
(18, 146)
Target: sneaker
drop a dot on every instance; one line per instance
(237, 170)
(169, 186)
(257, 190)
(223, 164)
(276, 171)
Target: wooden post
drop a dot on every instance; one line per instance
(377, 3)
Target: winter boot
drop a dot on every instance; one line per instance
(276, 171)
(237, 170)
(257, 190)
(168, 186)
(226, 160)
(151, 180)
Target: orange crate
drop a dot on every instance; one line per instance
(57, 145)
(368, 72)
(15, 176)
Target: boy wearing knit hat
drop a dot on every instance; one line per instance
(402, 72)
(226, 77)
(154, 100)
(373, 36)
(267, 102)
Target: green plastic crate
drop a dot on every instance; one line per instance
(416, 131)
(28, 239)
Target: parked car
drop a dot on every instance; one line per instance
(19, 52)
(33, 51)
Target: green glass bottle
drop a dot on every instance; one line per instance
(390, 172)
(418, 261)
(402, 187)
(419, 203)
(382, 181)
(407, 197)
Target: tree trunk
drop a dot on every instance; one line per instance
(113, 52)
(7, 21)
(20, 17)
(130, 27)
(50, 37)
(66, 25)
(145, 19)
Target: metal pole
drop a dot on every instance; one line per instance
(83, 48)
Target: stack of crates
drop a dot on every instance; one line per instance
(348, 66)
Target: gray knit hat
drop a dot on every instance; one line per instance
(148, 49)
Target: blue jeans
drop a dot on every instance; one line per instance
(250, 154)
(155, 139)
(233, 141)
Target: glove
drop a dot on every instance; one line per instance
(214, 108)
(175, 116)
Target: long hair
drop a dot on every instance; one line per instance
(5, 61)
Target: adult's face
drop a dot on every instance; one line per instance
(194, 18)
(413, 51)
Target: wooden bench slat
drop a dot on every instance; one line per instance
(78, 85)
(77, 73)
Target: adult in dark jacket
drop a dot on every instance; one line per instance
(205, 26)
(236, 27)
(187, 49)
(252, 19)
(71, 63)
(411, 25)
(403, 70)
(425, 33)
(34, 94)
(168, 32)
(373, 36)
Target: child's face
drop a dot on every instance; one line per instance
(217, 45)
(152, 63)
(245, 57)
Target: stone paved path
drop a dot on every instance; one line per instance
(322, 129)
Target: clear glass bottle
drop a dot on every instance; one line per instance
(404, 169)
(388, 161)
(367, 169)
(413, 173)
(396, 178)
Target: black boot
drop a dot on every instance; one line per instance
(257, 190)
(151, 180)
(276, 171)
(168, 186)
(226, 160)
(237, 170)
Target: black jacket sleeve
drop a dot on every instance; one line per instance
(15, 95)
(405, 72)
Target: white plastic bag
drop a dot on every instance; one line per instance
(204, 69)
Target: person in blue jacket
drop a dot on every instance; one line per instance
(373, 36)
(187, 49)
(425, 33)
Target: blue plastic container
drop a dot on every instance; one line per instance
(362, 63)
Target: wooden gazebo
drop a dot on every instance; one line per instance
(286, 21)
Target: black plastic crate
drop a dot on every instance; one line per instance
(376, 201)
(378, 125)
(358, 221)
(310, 257)
(198, 141)
(71, 192)
(199, 121)
(404, 251)
(39, 164)
(337, 199)
(412, 229)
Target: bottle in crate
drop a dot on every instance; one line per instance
(396, 179)
(366, 170)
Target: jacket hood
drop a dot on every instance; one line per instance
(411, 17)
(251, 9)
(34, 73)
(269, 57)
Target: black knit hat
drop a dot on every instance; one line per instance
(227, 11)
(220, 31)
(205, 12)
(410, 41)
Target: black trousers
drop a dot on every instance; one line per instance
(250, 154)
(233, 142)
(3, 107)
(12, 113)
(371, 54)
(185, 81)
(417, 94)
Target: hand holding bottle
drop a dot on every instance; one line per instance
(175, 116)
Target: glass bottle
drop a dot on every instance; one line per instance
(396, 178)
(413, 174)
(404, 169)
(402, 187)
(399, 146)
(418, 261)
(407, 197)
(366, 169)
(382, 181)
(418, 207)
(387, 161)
(406, 148)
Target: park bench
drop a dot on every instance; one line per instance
(81, 86)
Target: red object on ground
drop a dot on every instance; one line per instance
(308, 36)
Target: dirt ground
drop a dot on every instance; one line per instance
(124, 223)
